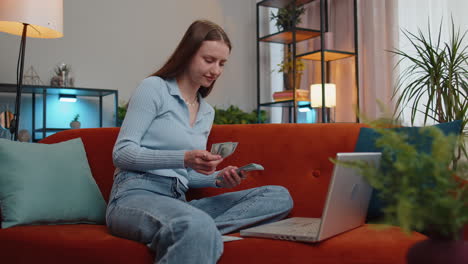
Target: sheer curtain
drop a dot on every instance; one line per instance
(378, 33)
(380, 29)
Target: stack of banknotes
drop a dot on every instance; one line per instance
(225, 149)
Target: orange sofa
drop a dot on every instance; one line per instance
(295, 156)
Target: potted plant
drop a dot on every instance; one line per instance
(121, 112)
(75, 123)
(286, 67)
(234, 115)
(422, 192)
(62, 76)
(285, 19)
(288, 17)
(436, 77)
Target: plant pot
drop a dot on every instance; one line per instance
(289, 81)
(438, 251)
(75, 124)
(62, 81)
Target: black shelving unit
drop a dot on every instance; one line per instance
(297, 34)
(44, 91)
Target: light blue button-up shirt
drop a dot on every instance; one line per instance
(156, 133)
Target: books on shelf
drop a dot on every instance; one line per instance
(301, 95)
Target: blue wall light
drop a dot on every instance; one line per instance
(304, 109)
(306, 113)
(303, 106)
(67, 98)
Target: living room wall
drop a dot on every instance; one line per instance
(114, 44)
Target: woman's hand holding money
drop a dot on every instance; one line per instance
(202, 161)
(229, 178)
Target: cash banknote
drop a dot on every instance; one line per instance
(248, 167)
(224, 149)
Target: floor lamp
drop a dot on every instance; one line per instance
(29, 18)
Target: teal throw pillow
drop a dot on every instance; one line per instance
(47, 184)
(366, 143)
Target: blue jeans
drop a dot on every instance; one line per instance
(152, 209)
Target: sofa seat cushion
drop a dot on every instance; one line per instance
(361, 245)
(90, 244)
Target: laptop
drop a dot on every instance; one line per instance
(345, 208)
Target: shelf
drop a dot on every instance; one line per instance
(286, 37)
(285, 103)
(11, 88)
(307, 32)
(50, 129)
(46, 130)
(43, 91)
(330, 55)
(282, 3)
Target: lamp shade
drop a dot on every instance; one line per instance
(316, 95)
(45, 17)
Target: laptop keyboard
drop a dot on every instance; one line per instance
(291, 229)
(308, 228)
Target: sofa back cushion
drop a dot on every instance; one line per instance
(295, 156)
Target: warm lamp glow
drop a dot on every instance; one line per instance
(45, 17)
(316, 95)
(29, 18)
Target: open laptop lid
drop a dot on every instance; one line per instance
(348, 196)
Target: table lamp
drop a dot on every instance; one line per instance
(29, 18)
(316, 99)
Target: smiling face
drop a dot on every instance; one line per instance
(208, 63)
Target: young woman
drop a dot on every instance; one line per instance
(160, 153)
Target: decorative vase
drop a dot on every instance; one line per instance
(24, 136)
(75, 124)
(64, 80)
(289, 81)
(438, 250)
(56, 81)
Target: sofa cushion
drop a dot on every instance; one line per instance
(71, 244)
(387, 246)
(423, 143)
(295, 156)
(98, 143)
(92, 244)
(47, 184)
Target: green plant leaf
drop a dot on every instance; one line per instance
(419, 189)
(234, 115)
(435, 82)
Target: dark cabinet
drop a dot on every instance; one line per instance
(43, 92)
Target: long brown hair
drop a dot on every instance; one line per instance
(198, 32)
